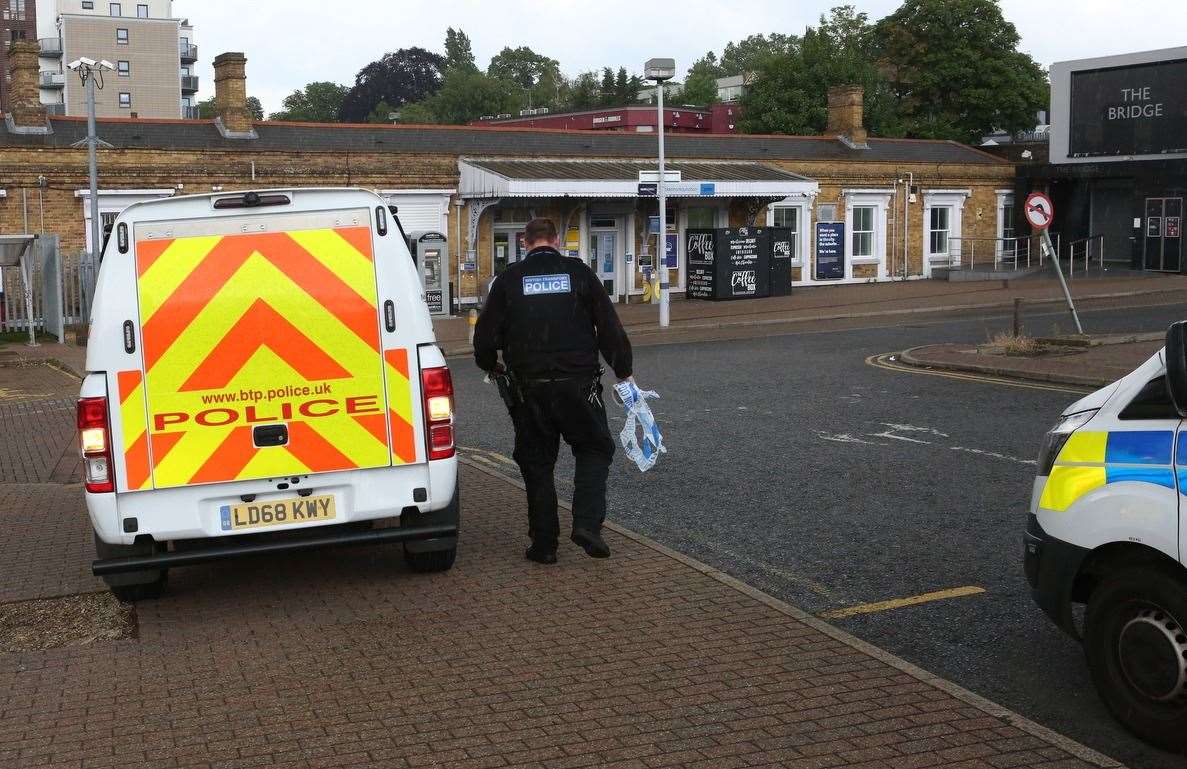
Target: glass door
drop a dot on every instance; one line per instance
(604, 247)
(1163, 236)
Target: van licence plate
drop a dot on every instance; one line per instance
(256, 515)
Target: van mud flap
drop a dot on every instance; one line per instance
(284, 545)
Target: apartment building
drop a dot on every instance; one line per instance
(153, 52)
(18, 21)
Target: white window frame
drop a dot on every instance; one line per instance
(1004, 198)
(879, 200)
(932, 229)
(951, 199)
(143, 6)
(114, 202)
(113, 7)
(803, 237)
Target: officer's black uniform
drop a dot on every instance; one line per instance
(550, 315)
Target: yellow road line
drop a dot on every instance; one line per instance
(880, 361)
(485, 455)
(898, 603)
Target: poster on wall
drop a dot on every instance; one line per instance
(830, 250)
(671, 251)
(699, 248)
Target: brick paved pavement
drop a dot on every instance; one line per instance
(343, 658)
(37, 405)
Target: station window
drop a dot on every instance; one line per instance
(124, 68)
(121, 37)
(863, 231)
(789, 217)
(939, 227)
(125, 99)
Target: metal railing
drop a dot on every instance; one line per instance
(55, 109)
(50, 46)
(78, 290)
(52, 79)
(191, 112)
(189, 83)
(985, 253)
(189, 52)
(1086, 245)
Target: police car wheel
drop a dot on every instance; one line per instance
(1136, 646)
(133, 586)
(436, 560)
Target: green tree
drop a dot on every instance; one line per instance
(789, 93)
(582, 92)
(522, 66)
(957, 71)
(404, 76)
(316, 103)
(458, 54)
(418, 112)
(700, 86)
(748, 55)
(467, 95)
(208, 111)
(382, 113)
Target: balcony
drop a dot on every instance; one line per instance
(189, 53)
(189, 83)
(52, 79)
(51, 47)
(190, 113)
(55, 109)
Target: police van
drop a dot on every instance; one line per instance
(1105, 530)
(262, 376)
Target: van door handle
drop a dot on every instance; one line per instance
(389, 315)
(270, 435)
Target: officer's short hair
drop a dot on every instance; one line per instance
(539, 229)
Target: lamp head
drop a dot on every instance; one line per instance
(659, 70)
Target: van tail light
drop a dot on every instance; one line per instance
(94, 437)
(437, 389)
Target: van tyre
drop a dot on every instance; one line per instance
(133, 586)
(436, 560)
(1136, 646)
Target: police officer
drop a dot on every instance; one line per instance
(551, 316)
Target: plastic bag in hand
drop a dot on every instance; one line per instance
(638, 414)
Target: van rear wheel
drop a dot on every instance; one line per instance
(133, 586)
(436, 560)
(1136, 645)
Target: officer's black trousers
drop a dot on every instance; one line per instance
(572, 409)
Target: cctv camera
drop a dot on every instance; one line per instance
(74, 64)
(105, 64)
(86, 61)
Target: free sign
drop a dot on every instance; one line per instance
(1039, 210)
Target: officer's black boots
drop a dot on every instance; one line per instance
(591, 542)
(541, 555)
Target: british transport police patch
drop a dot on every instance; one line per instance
(534, 285)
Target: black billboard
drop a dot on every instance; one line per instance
(1135, 110)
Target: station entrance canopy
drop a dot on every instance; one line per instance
(486, 179)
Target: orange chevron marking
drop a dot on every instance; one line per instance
(314, 451)
(398, 359)
(261, 326)
(229, 459)
(403, 438)
(136, 460)
(359, 239)
(374, 424)
(128, 382)
(162, 444)
(148, 251)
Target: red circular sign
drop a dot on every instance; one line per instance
(1039, 210)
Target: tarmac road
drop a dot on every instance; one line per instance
(799, 468)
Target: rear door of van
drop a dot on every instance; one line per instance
(263, 351)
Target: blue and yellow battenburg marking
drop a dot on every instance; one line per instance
(1090, 460)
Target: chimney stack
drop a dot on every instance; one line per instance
(26, 114)
(846, 115)
(234, 120)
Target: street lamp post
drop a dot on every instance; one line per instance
(661, 70)
(88, 70)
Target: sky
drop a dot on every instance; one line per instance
(292, 42)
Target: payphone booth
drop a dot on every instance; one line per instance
(431, 254)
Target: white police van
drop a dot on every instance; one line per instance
(1105, 530)
(262, 376)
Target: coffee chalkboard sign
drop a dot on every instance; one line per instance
(782, 251)
(745, 254)
(700, 248)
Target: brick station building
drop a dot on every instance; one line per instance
(479, 185)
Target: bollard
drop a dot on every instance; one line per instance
(472, 321)
(1017, 317)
